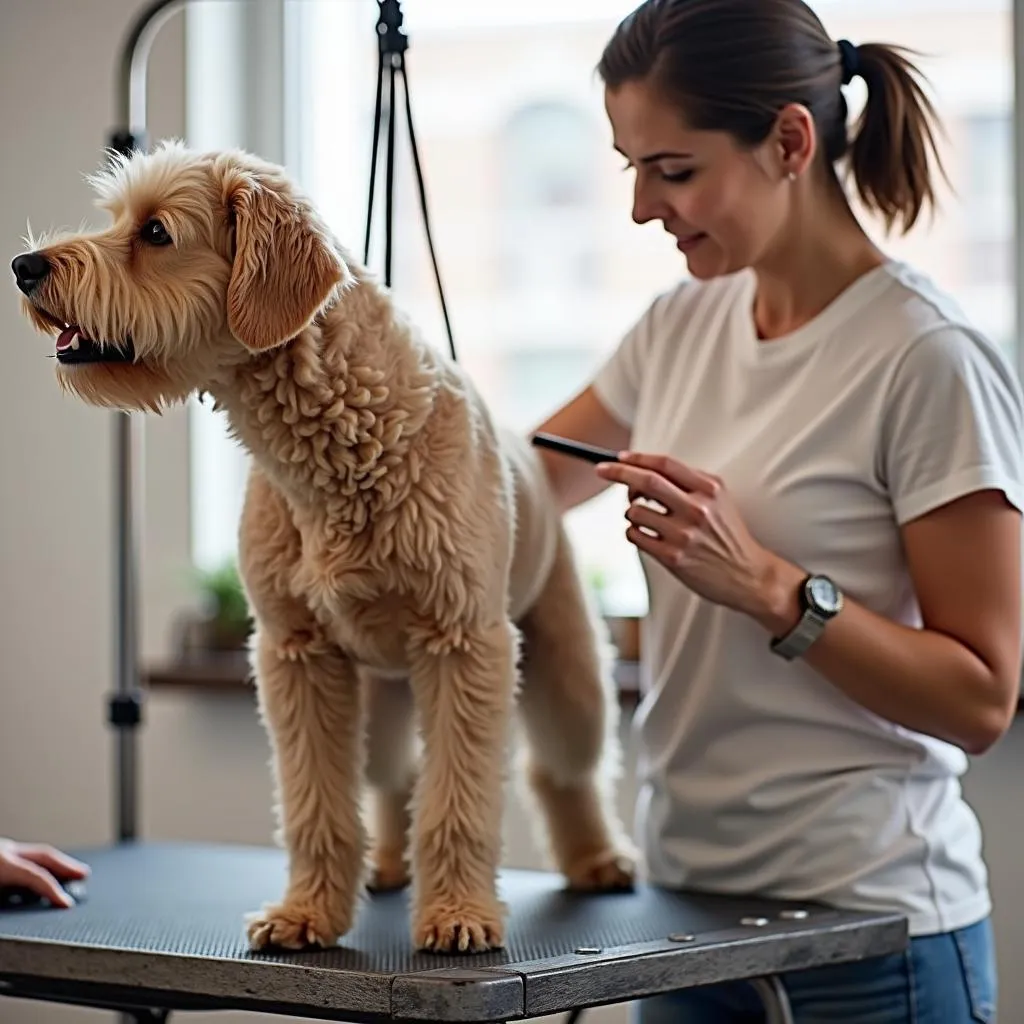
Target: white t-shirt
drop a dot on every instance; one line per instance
(757, 775)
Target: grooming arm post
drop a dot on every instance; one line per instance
(125, 705)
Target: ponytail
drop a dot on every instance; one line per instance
(893, 148)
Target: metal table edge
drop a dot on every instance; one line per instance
(154, 970)
(464, 994)
(555, 985)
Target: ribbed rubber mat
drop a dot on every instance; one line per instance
(192, 900)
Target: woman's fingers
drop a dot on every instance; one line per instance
(684, 477)
(667, 554)
(643, 483)
(25, 873)
(640, 514)
(55, 861)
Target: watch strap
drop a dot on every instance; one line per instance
(800, 637)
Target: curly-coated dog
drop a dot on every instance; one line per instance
(408, 574)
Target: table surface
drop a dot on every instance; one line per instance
(161, 924)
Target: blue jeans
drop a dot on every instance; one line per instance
(940, 979)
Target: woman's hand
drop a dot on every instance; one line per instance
(698, 533)
(40, 869)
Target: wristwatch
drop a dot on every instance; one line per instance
(820, 600)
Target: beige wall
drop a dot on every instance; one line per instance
(203, 759)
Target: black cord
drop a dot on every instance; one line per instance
(392, 45)
(377, 112)
(423, 206)
(389, 179)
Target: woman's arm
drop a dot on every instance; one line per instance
(583, 418)
(958, 678)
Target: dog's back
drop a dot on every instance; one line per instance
(537, 523)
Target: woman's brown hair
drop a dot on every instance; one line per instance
(732, 65)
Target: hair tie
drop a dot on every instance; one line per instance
(849, 55)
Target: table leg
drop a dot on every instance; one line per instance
(774, 998)
(144, 1015)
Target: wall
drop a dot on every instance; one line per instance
(56, 456)
(56, 545)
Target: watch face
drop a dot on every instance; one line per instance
(823, 595)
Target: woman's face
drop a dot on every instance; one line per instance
(725, 206)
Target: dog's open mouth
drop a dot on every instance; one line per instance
(74, 346)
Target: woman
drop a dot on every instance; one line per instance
(825, 482)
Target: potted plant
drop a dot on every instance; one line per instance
(223, 623)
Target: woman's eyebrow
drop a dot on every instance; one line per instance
(661, 155)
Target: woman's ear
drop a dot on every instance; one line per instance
(285, 269)
(795, 139)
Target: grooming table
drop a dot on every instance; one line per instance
(161, 926)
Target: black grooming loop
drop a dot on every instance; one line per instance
(392, 45)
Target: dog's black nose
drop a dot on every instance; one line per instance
(29, 268)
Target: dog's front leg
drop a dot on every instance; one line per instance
(311, 701)
(464, 690)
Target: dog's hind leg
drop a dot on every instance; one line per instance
(569, 710)
(391, 773)
(464, 685)
(310, 700)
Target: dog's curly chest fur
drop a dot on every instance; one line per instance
(332, 430)
(340, 581)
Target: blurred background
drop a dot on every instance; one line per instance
(543, 271)
(530, 208)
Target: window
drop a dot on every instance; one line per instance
(547, 155)
(542, 266)
(988, 193)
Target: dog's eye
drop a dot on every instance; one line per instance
(154, 233)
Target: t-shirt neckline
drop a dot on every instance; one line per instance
(786, 346)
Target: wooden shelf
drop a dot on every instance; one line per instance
(214, 671)
(229, 672)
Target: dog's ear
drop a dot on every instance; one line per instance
(285, 269)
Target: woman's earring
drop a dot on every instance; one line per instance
(791, 175)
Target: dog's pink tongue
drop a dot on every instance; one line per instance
(67, 336)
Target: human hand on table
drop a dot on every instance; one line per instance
(40, 869)
(698, 533)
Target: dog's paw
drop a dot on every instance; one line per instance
(459, 928)
(293, 926)
(388, 874)
(610, 870)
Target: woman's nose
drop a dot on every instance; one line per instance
(645, 205)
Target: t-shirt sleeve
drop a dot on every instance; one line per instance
(619, 380)
(953, 424)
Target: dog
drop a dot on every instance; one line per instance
(413, 592)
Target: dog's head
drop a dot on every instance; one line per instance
(210, 259)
